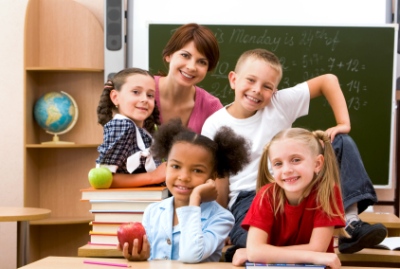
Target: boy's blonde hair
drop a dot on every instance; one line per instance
(261, 54)
(324, 181)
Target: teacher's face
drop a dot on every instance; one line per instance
(187, 65)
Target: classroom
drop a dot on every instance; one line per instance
(20, 143)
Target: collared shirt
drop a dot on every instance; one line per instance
(119, 142)
(199, 236)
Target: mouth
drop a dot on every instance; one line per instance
(255, 100)
(290, 179)
(142, 108)
(183, 188)
(186, 75)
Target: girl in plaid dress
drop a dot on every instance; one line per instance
(129, 115)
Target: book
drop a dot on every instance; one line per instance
(117, 216)
(103, 238)
(156, 193)
(284, 265)
(389, 243)
(105, 227)
(119, 204)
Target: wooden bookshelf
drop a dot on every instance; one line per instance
(64, 51)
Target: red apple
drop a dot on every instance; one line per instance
(128, 232)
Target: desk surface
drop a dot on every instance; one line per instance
(388, 219)
(77, 263)
(23, 213)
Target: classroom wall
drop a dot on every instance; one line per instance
(12, 20)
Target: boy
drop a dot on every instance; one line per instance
(259, 111)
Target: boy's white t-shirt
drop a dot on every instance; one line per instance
(285, 107)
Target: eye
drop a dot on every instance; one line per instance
(185, 55)
(135, 92)
(198, 171)
(151, 96)
(203, 62)
(267, 87)
(250, 80)
(296, 160)
(174, 166)
(277, 164)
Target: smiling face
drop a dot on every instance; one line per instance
(254, 83)
(187, 65)
(293, 165)
(135, 99)
(188, 166)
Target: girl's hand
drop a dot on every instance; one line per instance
(328, 259)
(204, 193)
(338, 129)
(158, 175)
(136, 256)
(240, 257)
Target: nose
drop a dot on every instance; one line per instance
(256, 88)
(191, 64)
(184, 175)
(287, 168)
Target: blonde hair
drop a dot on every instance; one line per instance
(261, 54)
(319, 143)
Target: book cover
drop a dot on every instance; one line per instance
(105, 227)
(123, 216)
(142, 193)
(389, 243)
(119, 204)
(103, 238)
(284, 265)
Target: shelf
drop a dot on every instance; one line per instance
(62, 220)
(65, 146)
(63, 69)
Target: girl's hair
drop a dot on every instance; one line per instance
(319, 143)
(230, 151)
(260, 54)
(203, 38)
(106, 107)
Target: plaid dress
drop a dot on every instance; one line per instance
(119, 142)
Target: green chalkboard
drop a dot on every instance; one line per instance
(361, 57)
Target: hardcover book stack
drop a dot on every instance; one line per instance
(115, 206)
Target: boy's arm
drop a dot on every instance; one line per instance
(328, 86)
(138, 180)
(222, 185)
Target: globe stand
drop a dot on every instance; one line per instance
(56, 140)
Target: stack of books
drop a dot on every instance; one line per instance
(115, 206)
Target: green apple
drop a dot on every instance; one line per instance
(100, 178)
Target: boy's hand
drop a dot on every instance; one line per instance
(338, 129)
(204, 193)
(136, 256)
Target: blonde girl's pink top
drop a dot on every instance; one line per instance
(204, 106)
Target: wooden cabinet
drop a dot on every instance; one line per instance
(64, 51)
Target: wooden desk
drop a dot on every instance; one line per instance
(391, 221)
(22, 215)
(371, 257)
(77, 263)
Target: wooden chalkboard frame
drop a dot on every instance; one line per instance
(363, 58)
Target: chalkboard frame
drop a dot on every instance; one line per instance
(371, 139)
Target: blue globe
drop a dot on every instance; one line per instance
(56, 112)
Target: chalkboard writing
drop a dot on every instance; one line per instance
(361, 57)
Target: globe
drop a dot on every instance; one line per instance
(56, 113)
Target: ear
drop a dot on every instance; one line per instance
(232, 79)
(319, 162)
(114, 97)
(167, 58)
